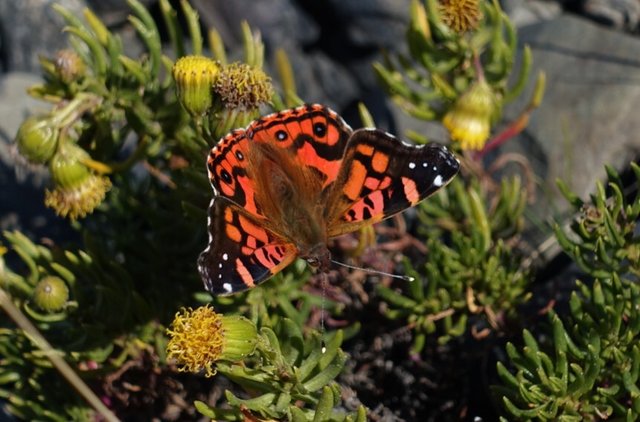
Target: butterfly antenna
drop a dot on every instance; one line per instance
(372, 271)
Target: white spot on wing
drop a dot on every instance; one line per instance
(226, 287)
(225, 256)
(412, 165)
(437, 181)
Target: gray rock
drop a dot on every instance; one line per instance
(621, 14)
(523, 12)
(589, 116)
(29, 28)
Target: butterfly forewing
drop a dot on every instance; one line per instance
(313, 133)
(241, 252)
(229, 172)
(381, 176)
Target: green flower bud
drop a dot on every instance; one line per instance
(37, 139)
(78, 190)
(240, 336)
(67, 170)
(51, 294)
(194, 77)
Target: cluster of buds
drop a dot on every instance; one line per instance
(49, 140)
(229, 94)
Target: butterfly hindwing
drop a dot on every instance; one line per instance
(381, 176)
(241, 252)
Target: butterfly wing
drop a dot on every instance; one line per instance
(241, 252)
(314, 133)
(382, 176)
(229, 172)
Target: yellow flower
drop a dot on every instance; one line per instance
(469, 120)
(243, 87)
(460, 15)
(78, 190)
(194, 77)
(201, 337)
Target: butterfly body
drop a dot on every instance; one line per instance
(294, 179)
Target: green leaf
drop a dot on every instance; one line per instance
(329, 373)
(325, 405)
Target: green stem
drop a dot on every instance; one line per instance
(54, 356)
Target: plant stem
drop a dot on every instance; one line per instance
(54, 356)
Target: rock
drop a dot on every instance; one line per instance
(29, 28)
(331, 45)
(621, 14)
(589, 114)
(522, 12)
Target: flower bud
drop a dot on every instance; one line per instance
(78, 190)
(469, 120)
(67, 170)
(51, 294)
(37, 139)
(194, 77)
(69, 66)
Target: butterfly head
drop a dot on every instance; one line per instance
(317, 256)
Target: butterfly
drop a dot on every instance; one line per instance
(294, 179)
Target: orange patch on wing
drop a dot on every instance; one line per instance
(380, 161)
(410, 190)
(367, 150)
(305, 126)
(371, 183)
(327, 167)
(253, 230)
(355, 180)
(244, 274)
(233, 233)
(385, 183)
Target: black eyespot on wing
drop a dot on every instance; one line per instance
(320, 129)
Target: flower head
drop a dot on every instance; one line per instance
(194, 77)
(201, 337)
(469, 119)
(51, 294)
(460, 15)
(243, 87)
(78, 190)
